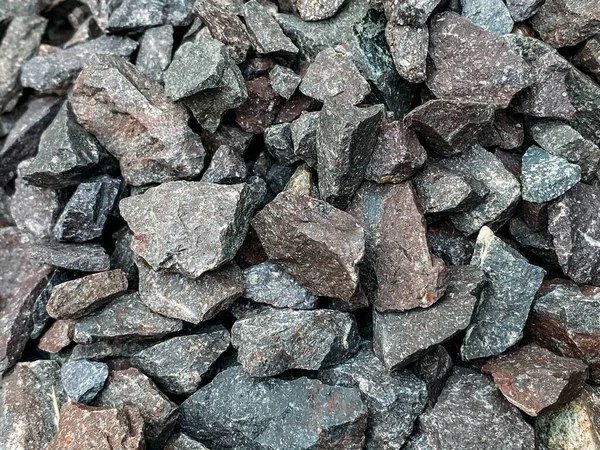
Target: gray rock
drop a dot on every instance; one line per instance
(304, 137)
(413, 12)
(279, 143)
(178, 365)
(317, 10)
(82, 257)
(491, 15)
(125, 317)
(506, 132)
(408, 46)
(239, 412)
(201, 226)
(434, 369)
(449, 244)
(109, 349)
(284, 81)
(583, 94)
(123, 257)
(505, 302)
(227, 134)
(82, 380)
(154, 54)
(264, 31)
(521, 10)
(12, 8)
(539, 242)
(182, 441)
(134, 15)
(226, 167)
(393, 401)
(588, 57)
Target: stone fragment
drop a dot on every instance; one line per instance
(393, 401)
(408, 46)
(131, 387)
(284, 81)
(278, 177)
(471, 64)
(264, 31)
(82, 380)
(303, 182)
(450, 127)
(564, 23)
(27, 405)
(539, 243)
(178, 365)
(154, 54)
(110, 349)
(226, 167)
(449, 244)
(491, 15)
(268, 283)
(125, 317)
(545, 177)
(472, 414)
(261, 108)
(588, 58)
(227, 134)
(12, 8)
(279, 144)
(304, 137)
(23, 139)
(505, 132)
(521, 10)
(503, 190)
(317, 10)
(123, 257)
(583, 94)
(135, 15)
(333, 75)
(271, 341)
(319, 245)
(505, 302)
(84, 428)
(295, 106)
(136, 122)
(82, 257)
(20, 42)
(57, 337)
(398, 154)
(434, 369)
(395, 340)
(240, 412)
(184, 239)
(411, 12)
(182, 441)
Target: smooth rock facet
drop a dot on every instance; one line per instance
(264, 31)
(82, 380)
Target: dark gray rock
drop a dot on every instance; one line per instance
(182, 441)
(434, 369)
(226, 167)
(154, 54)
(317, 10)
(505, 302)
(414, 12)
(284, 81)
(41, 318)
(491, 15)
(261, 108)
(239, 412)
(109, 349)
(521, 10)
(538, 242)
(278, 141)
(82, 257)
(393, 401)
(506, 132)
(449, 244)
(201, 226)
(408, 46)
(264, 31)
(177, 365)
(278, 177)
(304, 137)
(227, 134)
(583, 95)
(588, 57)
(82, 380)
(134, 15)
(123, 257)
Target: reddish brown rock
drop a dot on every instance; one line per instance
(57, 337)
(260, 109)
(295, 106)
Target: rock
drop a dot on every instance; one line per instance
(395, 340)
(178, 364)
(450, 127)
(87, 211)
(27, 405)
(333, 75)
(131, 387)
(408, 46)
(136, 122)
(491, 15)
(135, 15)
(271, 341)
(324, 257)
(82, 380)
(302, 182)
(535, 215)
(449, 244)
(572, 223)
(521, 10)
(82, 257)
(473, 65)
(228, 134)
(588, 58)
(583, 94)
(154, 54)
(545, 177)
(472, 414)
(23, 139)
(20, 42)
(317, 10)
(284, 81)
(434, 369)
(268, 283)
(304, 137)
(184, 239)
(125, 317)
(226, 167)
(123, 257)
(110, 349)
(505, 132)
(563, 23)
(505, 302)
(182, 441)
(503, 190)
(539, 243)
(414, 12)
(77, 298)
(84, 427)
(241, 412)
(261, 108)
(278, 141)
(535, 379)
(393, 401)
(264, 31)
(12, 8)
(58, 336)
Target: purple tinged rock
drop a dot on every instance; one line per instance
(82, 380)
(154, 54)
(81, 257)
(312, 10)
(226, 167)
(261, 107)
(588, 57)
(58, 336)
(284, 81)
(227, 134)
(41, 318)
(521, 10)
(506, 132)
(408, 46)
(182, 441)
(264, 31)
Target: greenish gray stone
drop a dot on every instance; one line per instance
(304, 137)
(81, 257)
(284, 81)
(491, 15)
(408, 46)
(82, 380)
(154, 53)
(135, 15)
(264, 31)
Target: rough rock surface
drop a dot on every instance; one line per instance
(260, 110)
(434, 369)
(284, 81)
(304, 137)
(82, 380)
(264, 31)
(132, 15)
(449, 244)
(588, 57)
(408, 46)
(318, 9)
(82, 257)
(182, 441)
(57, 337)
(279, 143)
(154, 54)
(226, 167)
(521, 10)
(491, 15)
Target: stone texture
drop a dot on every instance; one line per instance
(434, 369)
(182, 441)
(284, 81)
(521, 10)
(177, 365)
(154, 54)
(136, 122)
(539, 243)
(226, 167)
(449, 244)
(82, 257)
(240, 412)
(505, 302)
(109, 349)
(227, 134)
(261, 108)
(133, 15)
(57, 337)
(319, 245)
(491, 15)
(408, 46)
(279, 144)
(588, 57)
(317, 10)
(304, 137)
(12, 8)
(506, 132)
(82, 380)
(411, 12)
(264, 31)
(583, 94)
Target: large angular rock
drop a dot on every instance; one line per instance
(398, 272)
(154, 54)
(136, 122)
(134, 15)
(178, 365)
(319, 245)
(264, 31)
(471, 64)
(472, 414)
(81, 257)
(82, 380)
(239, 412)
(491, 15)
(271, 341)
(318, 9)
(201, 226)
(505, 302)
(393, 401)
(408, 46)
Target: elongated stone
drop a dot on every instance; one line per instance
(82, 257)
(58, 336)
(132, 15)
(261, 108)
(304, 137)
(181, 441)
(82, 380)
(109, 349)
(264, 31)
(154, 54)
(284, 81)
(491, 15)
(408, 46)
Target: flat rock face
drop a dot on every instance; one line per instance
(82, 380)
(226, 167)
(81, 257)
(393, 401)
(319, 245)
(57, 337)
(264, 31)
(471, 64)
(132, 15)
(86, 427)
(260, 110)
(505, 302)
(136, 122)
(521, 10)
(398, 272)
(154, 54)
(588, 57)
(240, 412)
(284, 81)
(491, 15)
(409, 45)
(534, 379)
(472, 414)
(201, 226)
(271, 341)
